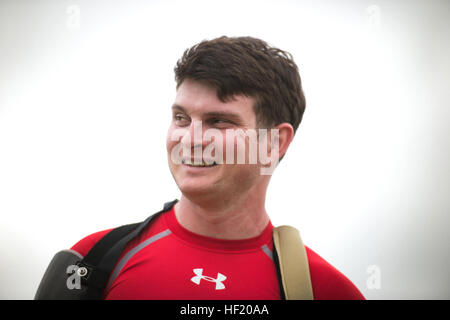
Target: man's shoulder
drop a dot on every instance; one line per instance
(87, 243)
(84, 245)
(328, 282)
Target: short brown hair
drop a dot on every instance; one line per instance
(248, 66)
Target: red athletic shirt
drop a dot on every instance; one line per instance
(168, 262)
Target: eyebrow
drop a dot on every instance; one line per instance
(219, 114)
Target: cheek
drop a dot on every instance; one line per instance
(171, 143)
(173, 137)
(240, 150)
(168, 139)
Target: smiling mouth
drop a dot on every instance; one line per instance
(203, 164)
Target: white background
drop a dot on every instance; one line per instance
(85, 95)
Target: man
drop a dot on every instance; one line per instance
(234, 96)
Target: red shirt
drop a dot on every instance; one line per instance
(169, 262)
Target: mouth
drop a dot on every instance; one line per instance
(198, 164)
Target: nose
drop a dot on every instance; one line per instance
(193, 137)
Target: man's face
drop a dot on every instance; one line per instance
(196, 112)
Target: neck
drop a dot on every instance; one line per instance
(232, 219)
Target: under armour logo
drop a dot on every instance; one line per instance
(199, 276)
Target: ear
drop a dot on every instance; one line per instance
(281, 136)
(285, 137)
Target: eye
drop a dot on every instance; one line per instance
(180, 119)
(220, 122)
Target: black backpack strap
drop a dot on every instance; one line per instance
(101, 259)
(279, 276)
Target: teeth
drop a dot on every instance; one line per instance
(203, 164)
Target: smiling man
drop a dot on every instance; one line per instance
(236, 97)
(224, 199)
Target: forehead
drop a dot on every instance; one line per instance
(195, 97)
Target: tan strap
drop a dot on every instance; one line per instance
(293, 263)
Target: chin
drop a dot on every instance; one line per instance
(195, 189)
